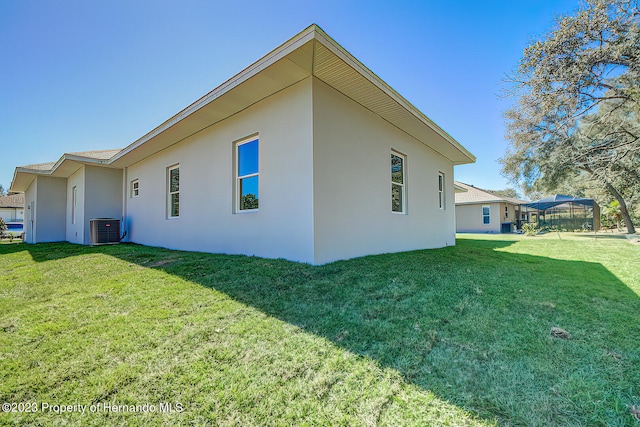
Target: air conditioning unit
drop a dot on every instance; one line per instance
(104, 231)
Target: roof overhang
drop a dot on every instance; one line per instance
(310, 53)
(66, 166)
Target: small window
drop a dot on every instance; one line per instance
(486, 214)
(135, 188)
(398, 192)
(247, 175)
(506, 212)
(74, 203)
(173, 191)
(441, 204)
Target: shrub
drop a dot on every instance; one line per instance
(530, 229)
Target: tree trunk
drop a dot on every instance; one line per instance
(623, 207)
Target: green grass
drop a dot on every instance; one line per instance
(454, 336)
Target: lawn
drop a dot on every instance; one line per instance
(453, 336)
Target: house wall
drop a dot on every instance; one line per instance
(352, 184)
(75, 232)
(469, 218)
(50, 209)
(102, 196)
(508, 212)
(30, 208)
(283, 226)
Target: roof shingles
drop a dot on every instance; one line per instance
(12, 201)
(478, 195)
(94, 155)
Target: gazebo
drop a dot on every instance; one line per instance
(565, 213)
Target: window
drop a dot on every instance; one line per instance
(441, 190)
(247, 175)
(74, 202)
(135, 188)
(173, 191)
(506, 212)
(398, 199)
(486, 214)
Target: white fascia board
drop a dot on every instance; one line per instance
(343, 54)
(255, 68)
(79, 159)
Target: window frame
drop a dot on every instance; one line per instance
(135, 188)
(171, 193)
(441, 193)
(488, 215)
(74, 203)
(237, 207)
(403, 185)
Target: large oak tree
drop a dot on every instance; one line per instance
(577, 109)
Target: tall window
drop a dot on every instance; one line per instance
(247, 175)
(74, 203)
(441, 190)
(486, 214)
(398, 196)
(506, 212)
(173, 191)
(135, 188)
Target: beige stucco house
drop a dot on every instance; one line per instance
(305, 155)
(481, 211)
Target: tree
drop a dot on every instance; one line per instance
(3, 192)
(249, 201)
(577, 108)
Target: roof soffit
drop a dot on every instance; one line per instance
(312, 52)
(340, 70)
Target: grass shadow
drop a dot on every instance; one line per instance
(470, 323)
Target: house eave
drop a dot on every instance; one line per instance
(459, 155)
(67, 165)
(310, 53)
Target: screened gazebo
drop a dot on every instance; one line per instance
(565, 213)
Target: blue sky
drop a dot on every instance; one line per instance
(84, 75)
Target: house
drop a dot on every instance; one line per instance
(12, 207)
(305, 155)
(481, 211)
(61, 197)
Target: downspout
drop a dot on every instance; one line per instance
(123, 221)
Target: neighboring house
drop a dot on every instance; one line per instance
(12, 207)
(305, 155)
(481, 211)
